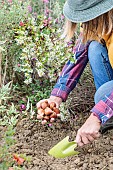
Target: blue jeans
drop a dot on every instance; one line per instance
(101, 70)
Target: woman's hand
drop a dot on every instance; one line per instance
(89, 131)
(56, 100)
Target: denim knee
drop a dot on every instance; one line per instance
(103, 91)
(95, 50)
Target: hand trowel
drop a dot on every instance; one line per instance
(66, 148)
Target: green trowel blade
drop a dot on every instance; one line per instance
(64, 149)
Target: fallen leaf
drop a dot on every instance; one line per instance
(18, 159)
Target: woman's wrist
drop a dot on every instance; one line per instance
(58, 100)
(95, 117)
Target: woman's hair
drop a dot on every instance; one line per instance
(96, 29)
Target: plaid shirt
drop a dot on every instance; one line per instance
(70, 75)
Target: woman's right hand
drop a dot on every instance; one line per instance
(89, 131)
(54, 99)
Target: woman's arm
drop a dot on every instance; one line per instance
(71, 71)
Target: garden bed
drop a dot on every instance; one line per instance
(35, 140)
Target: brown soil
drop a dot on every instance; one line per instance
(35, 140)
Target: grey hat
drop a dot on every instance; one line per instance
(85, 10)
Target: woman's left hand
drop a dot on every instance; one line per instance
(89, 131)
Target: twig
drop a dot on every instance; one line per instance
(104, 167)
(4, 76)
(0, 68)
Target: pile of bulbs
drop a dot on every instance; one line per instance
(48, 112)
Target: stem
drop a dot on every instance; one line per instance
(0, 68)
(4, 76)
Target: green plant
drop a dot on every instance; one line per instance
(8, 120)
(4, 96)
(8, 141)
(8, 113)
(43, 52)
(11, 116)
(11, 13)
(7, 159)
(41, 6)
(4, 92)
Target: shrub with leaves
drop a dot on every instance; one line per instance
(48, 6)
(43, 52)
(11, 13)
(38, 50)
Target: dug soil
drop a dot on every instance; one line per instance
(35, 140)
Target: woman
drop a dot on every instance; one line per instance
(95, 45)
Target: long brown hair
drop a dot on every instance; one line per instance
(96, 29)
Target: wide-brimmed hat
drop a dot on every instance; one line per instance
(85, 10)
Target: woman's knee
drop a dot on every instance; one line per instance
(96, 50)
(103, 91)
